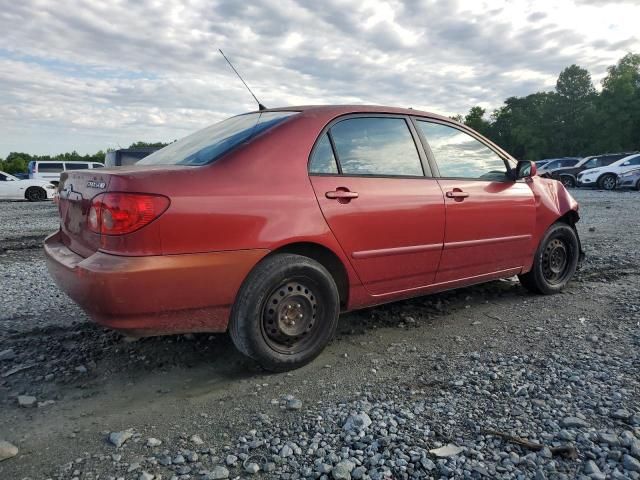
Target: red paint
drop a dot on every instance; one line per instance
(395, 237)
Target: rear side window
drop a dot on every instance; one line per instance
(208, 144)
(77, 166)
(376, 146)
(50, 167)
(323, 160)
(459, 155)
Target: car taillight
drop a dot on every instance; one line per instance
(118, 213)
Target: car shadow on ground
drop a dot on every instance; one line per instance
(85, 355)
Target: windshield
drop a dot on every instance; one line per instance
(208, 144)
(623, 160)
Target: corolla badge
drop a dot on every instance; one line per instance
(95, 184)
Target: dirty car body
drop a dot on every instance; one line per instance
(374, 204)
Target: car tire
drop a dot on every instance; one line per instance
(35, 194)
(555, 261)
(607, 182)
(638, 185)
(286, 312)
(568, 181)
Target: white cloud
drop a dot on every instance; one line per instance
(96, 74)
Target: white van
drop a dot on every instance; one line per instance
(50, 170)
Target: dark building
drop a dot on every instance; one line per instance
(127, 156)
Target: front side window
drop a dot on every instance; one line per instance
(591, 163)
(376, 146)
(3, 177)
(322, 159)
(459, 155)
(50, 167)
(208, 144)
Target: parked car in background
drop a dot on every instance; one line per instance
(607, 177)
(127, 156)
(13, 188)
(274, 222)
(568, 175)
(629, 179)
(556, 163)
(51, 170)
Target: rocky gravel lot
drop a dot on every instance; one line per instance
(482, 382)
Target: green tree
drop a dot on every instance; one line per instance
(475, 119)
(618, 106)
(140, 144)
(574, 113)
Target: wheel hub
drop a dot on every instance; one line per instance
(608, 183)
(555, 259)
(290, 313)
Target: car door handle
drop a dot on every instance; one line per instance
(341, 194)
(457, 194)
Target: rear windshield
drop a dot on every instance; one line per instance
(210, 143)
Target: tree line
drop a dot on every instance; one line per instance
(573, 120)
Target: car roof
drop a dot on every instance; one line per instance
(337, 110)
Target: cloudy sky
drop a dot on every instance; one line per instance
(95, 74)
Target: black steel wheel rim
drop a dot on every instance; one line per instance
(290, 316)
(556, 261)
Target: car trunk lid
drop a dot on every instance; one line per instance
(78, 189)
(75, 192)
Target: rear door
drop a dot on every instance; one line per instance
(490, 219)
(375, 190)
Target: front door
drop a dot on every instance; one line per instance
(490, 217)
(388, 216)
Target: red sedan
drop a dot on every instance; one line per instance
(271, 223)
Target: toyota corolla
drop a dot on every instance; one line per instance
(271, 223)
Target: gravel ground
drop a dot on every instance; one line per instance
(481, 382)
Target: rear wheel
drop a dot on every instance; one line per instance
(555, 262)
(286, 312)
(35, 194)
(607, 182)
(567, 181)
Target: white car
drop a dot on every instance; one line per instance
(50, 170)
(12, 188)
(606, 177)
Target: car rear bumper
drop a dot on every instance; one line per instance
(152, 295)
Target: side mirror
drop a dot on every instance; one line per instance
(525, 169)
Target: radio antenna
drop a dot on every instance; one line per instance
(260, 106)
